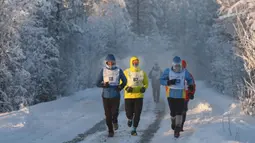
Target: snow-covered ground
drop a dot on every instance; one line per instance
(53, 122)
(212, 118)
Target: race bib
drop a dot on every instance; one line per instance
(110, 78)
(179, 77)
(135, 78)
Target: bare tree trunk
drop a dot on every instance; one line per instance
(137, 16)
(115, 34)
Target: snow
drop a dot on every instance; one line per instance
(201, 107)
(55, 121)
(123, 133)
(211, 118)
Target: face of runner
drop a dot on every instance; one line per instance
(177, 67)
(135, 63)
(110, 64)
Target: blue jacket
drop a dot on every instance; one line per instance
(176, 93)
(111, 92)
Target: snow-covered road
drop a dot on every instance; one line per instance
(212, 118)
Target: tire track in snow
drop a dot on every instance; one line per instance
(98, 127)
(149, 133)
(123, 135)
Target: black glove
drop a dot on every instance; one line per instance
(129, 89)
(105, 85)
(142, 90)
(119, 88)
(191, 88)
(191, 96)
(171, 82)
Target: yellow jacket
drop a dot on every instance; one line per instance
(136, 90)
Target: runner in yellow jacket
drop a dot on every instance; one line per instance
(137, 83)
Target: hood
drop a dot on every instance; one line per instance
(110, 57)
(132, 68)
(184, 64)
(156, 67)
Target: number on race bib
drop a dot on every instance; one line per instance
(110, 78)
(135, 79)
(178, 81)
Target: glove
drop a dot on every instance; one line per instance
(129, 89)
(191, 88)
(106, 85)
(191, 96)
(119, 88)
(171, 82)
(142, 90)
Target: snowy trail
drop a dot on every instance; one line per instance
(148, 134)
(211, 118)
(98, 127)
(150, 119)
(81, 114)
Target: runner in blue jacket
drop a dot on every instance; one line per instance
(109, 79)
(175, 78)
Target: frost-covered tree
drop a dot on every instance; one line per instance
(242, 14)
(14, 77)
(187, 25)
(116, 26)
(41, 50)
(143, 21)
(226, 67)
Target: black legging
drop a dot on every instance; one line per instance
(111, 108)
(185, 112)
(176, 106)
(133, 109)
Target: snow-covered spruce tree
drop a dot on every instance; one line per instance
(14, 77)
(242, 14)
(66, 28)
(75, 55)
(41, 50)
